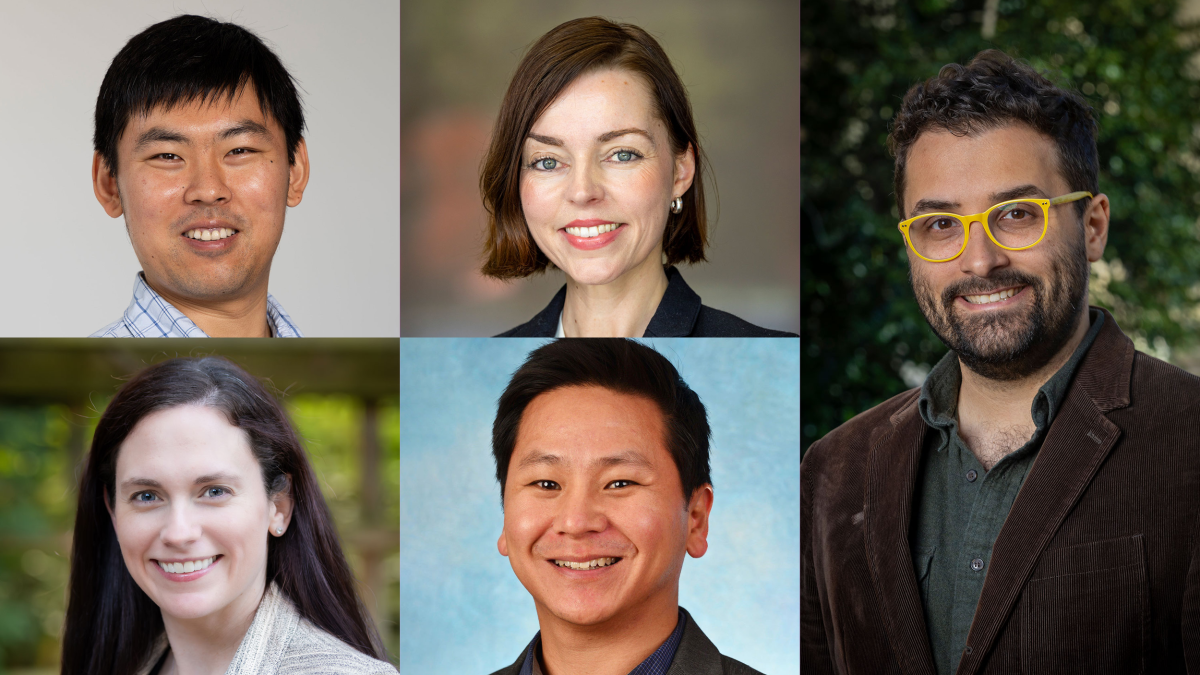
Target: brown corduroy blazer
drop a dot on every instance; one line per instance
(1096, 569)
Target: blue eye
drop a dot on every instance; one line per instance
(625, 156)
(221, 492)
(138, 497)
(545, 164)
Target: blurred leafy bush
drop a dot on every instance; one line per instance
(864, 339)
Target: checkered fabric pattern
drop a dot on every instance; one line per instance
(656, 664)
(149, 315)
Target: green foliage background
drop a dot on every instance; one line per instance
(38, 495)
(1134, 62)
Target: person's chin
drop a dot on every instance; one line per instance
(584, 612)
(594, 271)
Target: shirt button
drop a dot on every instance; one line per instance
(968, 650)
(971, 476)
(977, 564)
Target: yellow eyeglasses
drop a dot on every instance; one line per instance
(1014, 225)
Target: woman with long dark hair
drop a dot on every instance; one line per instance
(202, 543)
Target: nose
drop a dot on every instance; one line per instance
(982, 255)
(207, 183)
(585, 187)
(182, 528)
(580, 514)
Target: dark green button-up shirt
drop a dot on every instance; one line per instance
(960, 507)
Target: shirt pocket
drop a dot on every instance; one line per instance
(1086, 609)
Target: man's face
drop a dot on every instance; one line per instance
(591, 483)
(1042, 290)
(203, 187)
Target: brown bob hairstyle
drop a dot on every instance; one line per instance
(552, 64)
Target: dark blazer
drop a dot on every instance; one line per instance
(696, 656)
(1095, 570)
(679, 314)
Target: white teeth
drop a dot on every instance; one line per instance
(210, 234)
(588, 565)
(185, 567)
(594, 231)
(994, 297)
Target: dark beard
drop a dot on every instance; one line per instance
(1005, 345)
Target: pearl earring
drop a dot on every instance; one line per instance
(279, 530)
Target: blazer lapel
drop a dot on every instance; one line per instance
(1078, 441)
(895, 457)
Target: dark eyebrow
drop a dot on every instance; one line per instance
(159, 134)
(1018, 193)
(207, 478)
(244, 127)
(937, 205)
(602, 138)
(627, 458)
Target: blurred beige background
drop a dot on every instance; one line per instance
(740, 63)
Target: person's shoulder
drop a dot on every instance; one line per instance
(1162, 383)
(313, 650)
(734, 667)
(116, 329)
(717, 323)
(858, 429)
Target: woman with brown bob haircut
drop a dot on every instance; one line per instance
(595, 167)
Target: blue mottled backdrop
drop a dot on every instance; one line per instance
(463, 611)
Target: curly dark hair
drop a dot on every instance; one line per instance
(992, 91)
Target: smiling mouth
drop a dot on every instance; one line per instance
(987, 298)
(593, 231)
(210, 233)
(587, 564)
(189, 566)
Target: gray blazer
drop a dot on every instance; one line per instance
(697, 655)
(281, 642)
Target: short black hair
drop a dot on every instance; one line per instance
(619, 365)
(992, 91)
(190, 58)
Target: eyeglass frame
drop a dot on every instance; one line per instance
(982, 218)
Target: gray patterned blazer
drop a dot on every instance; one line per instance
(281, 642)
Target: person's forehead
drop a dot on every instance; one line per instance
(596, 101)
(584, 425)
(209, 114)
(183, 440)
(943, 165)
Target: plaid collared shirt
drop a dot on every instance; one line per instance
(656, 664)
(148, 315)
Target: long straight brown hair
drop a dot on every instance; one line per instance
(111, 623)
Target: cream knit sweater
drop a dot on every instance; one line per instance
(281, 642)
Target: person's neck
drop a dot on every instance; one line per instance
(240, 315)
(1003, 408)
(207, 645)
(620, 308)
(612, 647)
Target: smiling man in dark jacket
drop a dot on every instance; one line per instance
(1035, 505)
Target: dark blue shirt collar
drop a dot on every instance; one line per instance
(655, 664)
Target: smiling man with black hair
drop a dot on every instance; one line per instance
(199, 145)
(601, 508)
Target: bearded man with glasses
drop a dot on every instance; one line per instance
(1035, 505)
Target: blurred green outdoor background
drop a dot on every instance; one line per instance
(864, 339)
(342, 395)
(740, 64)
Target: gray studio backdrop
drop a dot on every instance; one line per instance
(740, 62)
(463, 611)
(69, 268)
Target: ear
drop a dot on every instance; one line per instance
(502, 544)
(698, 509)
(1095, 227)
(281, 509)
(104, 184)
(685, 171)
(298, 175)
(108, 507)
